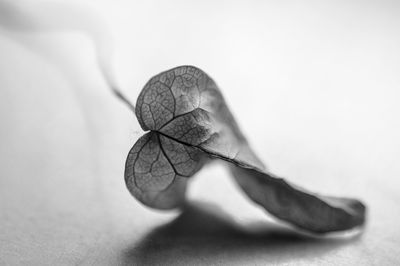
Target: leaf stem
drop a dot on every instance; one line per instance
(117, 93)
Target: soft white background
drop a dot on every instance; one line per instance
(315, 86)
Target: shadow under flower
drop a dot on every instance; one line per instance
(203, 234)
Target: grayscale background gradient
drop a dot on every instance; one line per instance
(315, 86)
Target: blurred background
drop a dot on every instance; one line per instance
(314, 85)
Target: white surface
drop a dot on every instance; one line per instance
(314, 85)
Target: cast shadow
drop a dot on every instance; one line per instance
(203, 234)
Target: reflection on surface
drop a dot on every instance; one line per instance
(204, 234)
